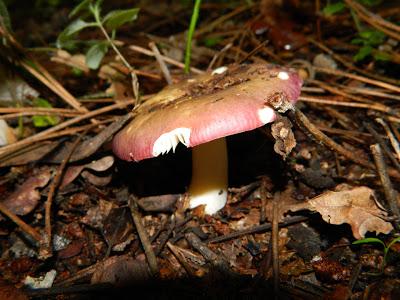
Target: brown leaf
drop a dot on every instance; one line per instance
(121, 270)
(281, 130)
(90, 146)
(27, 196)
(356, 206)
(99, 165)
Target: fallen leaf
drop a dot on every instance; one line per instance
(99, 165)
(356, 206)
(282, 132)
(27, 196)
(90, 146)
(121, 270)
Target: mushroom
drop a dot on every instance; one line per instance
(200, 112)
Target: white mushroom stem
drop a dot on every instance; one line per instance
(209, 184)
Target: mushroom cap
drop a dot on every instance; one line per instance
(213, 105)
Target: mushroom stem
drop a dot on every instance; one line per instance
(209, 184)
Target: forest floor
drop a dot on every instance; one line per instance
(310, 215)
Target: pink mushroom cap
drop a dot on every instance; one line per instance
(213, 105)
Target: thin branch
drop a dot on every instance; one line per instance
(161, 62)
(148, 250)
(17, 220)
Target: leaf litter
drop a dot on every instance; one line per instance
(97, 241)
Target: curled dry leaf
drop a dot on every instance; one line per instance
(99, 165)
(356, 206)
(27, 196)
(282, 132)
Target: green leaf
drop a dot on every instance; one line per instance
(334, 8)
(358, 41)
(368, 241)
(382, 56)
(77, 26)
(84, 5)
(374, 37)
(95, 55)
(396, 240)
(71, 30)
(370, 2)
(44, 121)
(362, 53)
(4, 16)
(212, 41)
(117, 18)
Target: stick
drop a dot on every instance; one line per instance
(144, 239)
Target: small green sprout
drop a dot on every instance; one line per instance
(386, 248)
(44, 121)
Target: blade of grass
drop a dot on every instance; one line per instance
(192, 27)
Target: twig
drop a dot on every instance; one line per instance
(392, 138)
(217, 55)
(165, 58)
(174, 249)
(275, 243)
(134, 81)
(207, 253)
(39, 110)
(47, 79)
(32, 66)
(375, 106)
(5, 150)
(350, 64)
(46, 245)
(17, 220)
(359, 78)
(325, 140)
(375, 20)
(390, 193)
(144, 239)
(256, 229)
(161, 62)
(382, 143)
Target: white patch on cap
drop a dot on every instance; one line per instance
(283, 75)
(219, 70)
(170, 140)
(266, 115)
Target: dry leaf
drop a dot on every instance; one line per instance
(356, 206)
(121, 270)
(281, 130)
(26, 196)
(99, 165)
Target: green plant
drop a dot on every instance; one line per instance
(44, 121)
(386, 248)
(89, 12)
(192, 27)
(368, 39)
